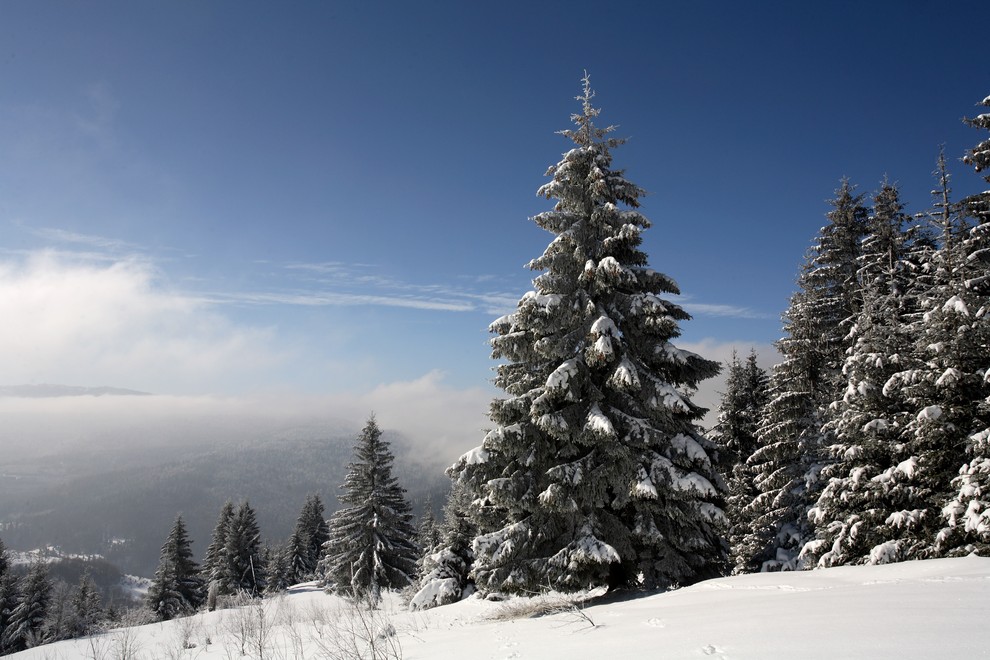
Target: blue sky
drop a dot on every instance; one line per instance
(332, 198)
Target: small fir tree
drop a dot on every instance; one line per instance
(297, 565)
(746, 393)
(9, 596)
(428, 532)
(596, 472)
(177, 589)
(371, 539)
(278, 560)
(214, 559)
(310, 534)
(244, 569)
(25, 626)
(444, 574)
(86, 608)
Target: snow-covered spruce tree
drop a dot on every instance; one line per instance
(944, 390)
(25, 626)
(739, 413)
(243, 569)
(278, 564)
(595, 470)
(177, 589)
(9, 595)
(86, 608)
(445, 566)
(214, 557)
(865, 421)
(966, 517)
(786, 464)
(371, 544)
(297, 567)
(428, 531)
(312, 526)
(740, 410)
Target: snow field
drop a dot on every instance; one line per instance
(925, 609)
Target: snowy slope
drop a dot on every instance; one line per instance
(930, 609)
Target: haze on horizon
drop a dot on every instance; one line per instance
(269, 218)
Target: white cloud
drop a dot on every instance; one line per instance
(90, 240)
(72, 322)
(727, 311)
(444, 422)
(336, 283)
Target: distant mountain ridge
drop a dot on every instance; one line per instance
(46, 390)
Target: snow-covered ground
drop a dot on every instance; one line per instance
(930, 609)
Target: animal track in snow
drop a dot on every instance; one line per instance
(656, 623)
(714, 652)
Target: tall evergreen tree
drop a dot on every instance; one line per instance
(9, 596)
(865, 421)
(4, 559)
(791, 438)
(243, 569)
(595, 471)
(428, 532)
(739, 412)
(307, 541)
(746, 393)
(87, 611)
(371, 541)
(278, 561)
(25, 626)
(297, 565)
(966, 516)
(213, 561)
(177, 588)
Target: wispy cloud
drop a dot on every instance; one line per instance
(329, 298)
(687, 302)
(350, 284)
(727, 311)
(63, 236)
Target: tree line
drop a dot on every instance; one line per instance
(868, 443)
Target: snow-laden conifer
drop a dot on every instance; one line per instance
(9, 595)
(26, 622)
(428, 532)
(86, 608)
(243, 568)
(305, 546)
(785, 466)
(177, 588)
(595, 471)
(295, 557)
(865, 420)
(371, 544)
(966, 515)
(313, 528)
(214, 557)
(944, 389)
(740, 411)
(445, 565)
